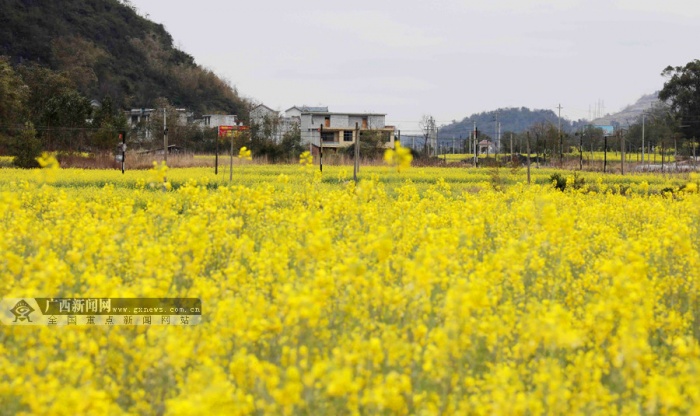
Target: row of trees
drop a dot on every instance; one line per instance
(673, 125)
(659, 130)
(41, 109)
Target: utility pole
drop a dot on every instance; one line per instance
(122, 135)
(495, 132)
(433, 135)
(230, 170)
(605, 154)
(561, 141)
(476, 151)
(580, 151)
(437, 138)
(165, 137)
(644, 115)
(622, 152)
(528, 157)
(511, 146)
(357, 151)
(498, 149)
(662, 156)
(320, 147)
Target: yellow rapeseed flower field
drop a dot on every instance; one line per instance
(429, 291)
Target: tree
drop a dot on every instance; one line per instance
(43, 84)
(372, 144)
(592, 137)
(79, 58)
(291, 142)
(108, 121)
(106, 48)
(180, 128)
(546, 139)
(682, 92)
(25, 147)
(13, 94)
(660, 125)
(68, 115)
(58, 110)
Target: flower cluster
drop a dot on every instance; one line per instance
(306, 158)
(423, 296)
(400, 157)
(244, 153)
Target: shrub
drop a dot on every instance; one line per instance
(25, 147)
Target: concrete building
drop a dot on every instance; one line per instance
(338, 130)
(486, 147)
(295, 112)
(216, 120)
(139, 120)
(267, 122)
(260, 113)
(136, 116)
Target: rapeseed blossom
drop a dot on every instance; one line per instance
(399, 156)
(428, 295)
(244, 153)
(306, 158)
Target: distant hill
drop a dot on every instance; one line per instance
(107, 49)
(516, 120)
(629, 114)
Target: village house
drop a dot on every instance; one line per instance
(339, 129)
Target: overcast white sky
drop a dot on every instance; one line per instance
(446, 58)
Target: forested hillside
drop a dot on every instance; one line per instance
(106, 49)
(515, 120)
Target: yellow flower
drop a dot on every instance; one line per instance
(306, 158)
(426, 292)
(400, 157)
(47, 161)
(158, 175)
(49, 167)
(244, 153)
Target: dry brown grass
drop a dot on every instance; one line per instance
(133, 161)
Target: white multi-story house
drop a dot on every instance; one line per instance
(294, 113)
(268, 122)
(337, 129)
(139, 120)
(216, 120)
(136, 116)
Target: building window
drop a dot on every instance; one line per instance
(328, 137)
(364, 122)
(327, 121)
(347, 136)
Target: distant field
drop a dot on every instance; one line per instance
(587, 156)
